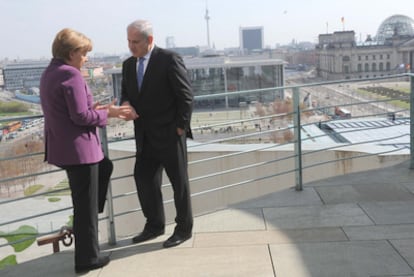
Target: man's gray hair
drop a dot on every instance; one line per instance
(143, 26)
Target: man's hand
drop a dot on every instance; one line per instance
(180, 131)
(125, 112)
(132, 114)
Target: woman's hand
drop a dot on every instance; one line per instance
(98, 106)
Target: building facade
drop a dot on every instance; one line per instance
(215, 75)
(26, 76)
(251, 39)
(1, 78)
(340, 56)
(20, 76)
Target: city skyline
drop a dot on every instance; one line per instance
(28, 27)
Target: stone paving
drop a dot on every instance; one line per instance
(359, 225)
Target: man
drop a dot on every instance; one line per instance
(155, 84)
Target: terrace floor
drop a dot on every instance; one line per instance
(361, 224)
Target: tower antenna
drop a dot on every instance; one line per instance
(207, 18)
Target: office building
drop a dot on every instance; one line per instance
(23, 75)
(191, 51)
(251, 39)
(214, 75)
(170, 42)
(1, 78)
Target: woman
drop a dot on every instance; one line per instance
(72, 141)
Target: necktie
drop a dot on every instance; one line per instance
(140, 74)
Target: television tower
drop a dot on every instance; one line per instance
(207, 18)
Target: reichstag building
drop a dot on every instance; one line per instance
(341, 57)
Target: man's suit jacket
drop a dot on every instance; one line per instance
(165, 100)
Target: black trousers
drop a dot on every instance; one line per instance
(148, 178)
(88, 184)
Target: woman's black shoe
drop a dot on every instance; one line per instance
(102, 261)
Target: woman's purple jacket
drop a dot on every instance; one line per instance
(70, 130)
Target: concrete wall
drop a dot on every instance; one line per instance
(271, 174)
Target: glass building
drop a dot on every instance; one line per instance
(214, 75)
(399, 25)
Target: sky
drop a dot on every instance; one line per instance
(28, 27)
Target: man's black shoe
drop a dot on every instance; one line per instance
(176, 239)
(102, 261)
(146, 235)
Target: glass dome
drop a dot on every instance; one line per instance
(397, 24)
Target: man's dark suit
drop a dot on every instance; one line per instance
(163, 104)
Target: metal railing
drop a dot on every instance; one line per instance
(243, 138)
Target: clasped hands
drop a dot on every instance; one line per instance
(126, 112)
(133, 115)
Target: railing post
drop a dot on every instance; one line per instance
(226, 98)
(411, 111)
(110, 207)
(298, 139)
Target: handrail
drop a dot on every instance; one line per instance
(295, 156)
